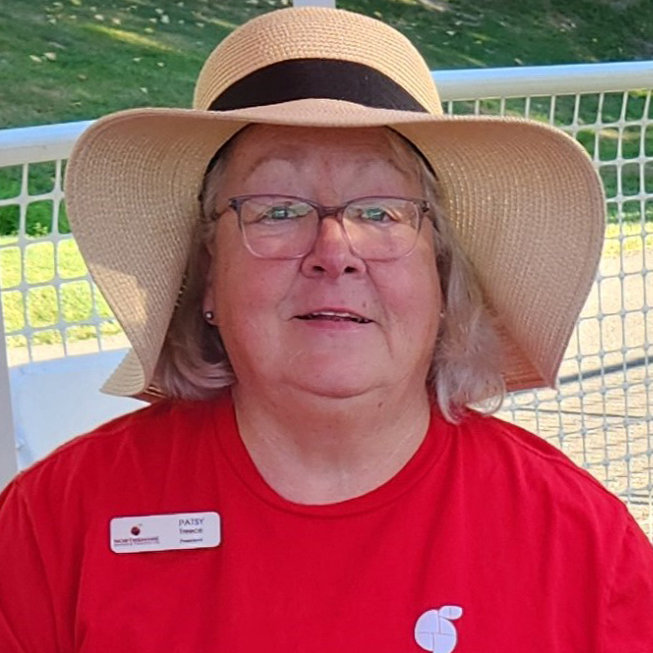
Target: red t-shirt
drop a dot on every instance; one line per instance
(488, 541)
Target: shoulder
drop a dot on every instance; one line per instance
(136, 444)
(532, 469)
(514, 443)
(151, 426)
(550, 503)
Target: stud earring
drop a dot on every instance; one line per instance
(208, 315)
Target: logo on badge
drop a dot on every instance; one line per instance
(434, 631)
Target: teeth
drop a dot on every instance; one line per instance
(334, 315)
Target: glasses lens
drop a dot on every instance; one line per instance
(276, 226)
(382, 227)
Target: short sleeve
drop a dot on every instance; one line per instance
(27, 623)
(629, 611)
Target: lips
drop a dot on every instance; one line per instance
(334, 316)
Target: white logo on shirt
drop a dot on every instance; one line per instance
(434, 631)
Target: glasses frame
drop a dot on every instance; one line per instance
(337, 211)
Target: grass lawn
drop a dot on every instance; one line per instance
(79, 59)
(39, 306)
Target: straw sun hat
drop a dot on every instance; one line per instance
(524, 198)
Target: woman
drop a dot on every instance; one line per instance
(319, 273)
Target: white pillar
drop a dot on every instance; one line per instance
(8, 460)
(314, 3)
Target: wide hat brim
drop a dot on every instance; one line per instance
(524, 199)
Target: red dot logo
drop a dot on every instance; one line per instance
(135, 531)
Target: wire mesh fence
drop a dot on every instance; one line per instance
(51, 307)
(599, 413)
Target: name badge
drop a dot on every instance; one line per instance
(184, 530)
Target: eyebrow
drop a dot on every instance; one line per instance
(279, 156)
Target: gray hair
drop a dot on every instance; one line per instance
(193, 363)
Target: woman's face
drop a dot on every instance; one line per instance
(261, 305)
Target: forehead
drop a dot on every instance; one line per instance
(258, 145)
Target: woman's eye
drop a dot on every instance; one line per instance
(279, 213)
(375, 214)
(283, 212)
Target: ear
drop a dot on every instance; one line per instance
(208, 301)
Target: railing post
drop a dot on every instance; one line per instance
(314, 3)
(8, 460)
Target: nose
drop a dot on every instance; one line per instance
(331, 255)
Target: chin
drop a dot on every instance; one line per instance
(338, 392)
(337, 386)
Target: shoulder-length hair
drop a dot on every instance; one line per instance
(193, 363)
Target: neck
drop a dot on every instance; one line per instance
(316, 450)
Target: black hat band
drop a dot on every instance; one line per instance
(300, 79)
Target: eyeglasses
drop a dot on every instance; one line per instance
(287, 227)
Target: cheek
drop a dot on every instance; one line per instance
(238, 317)
(233, 284)
(423, 303)
(417, 302)
(416, 282)
(249, 293)
(236, 297)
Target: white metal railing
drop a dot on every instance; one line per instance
(599, 413)
(8, 466)
(529, 81)
(51, 142)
